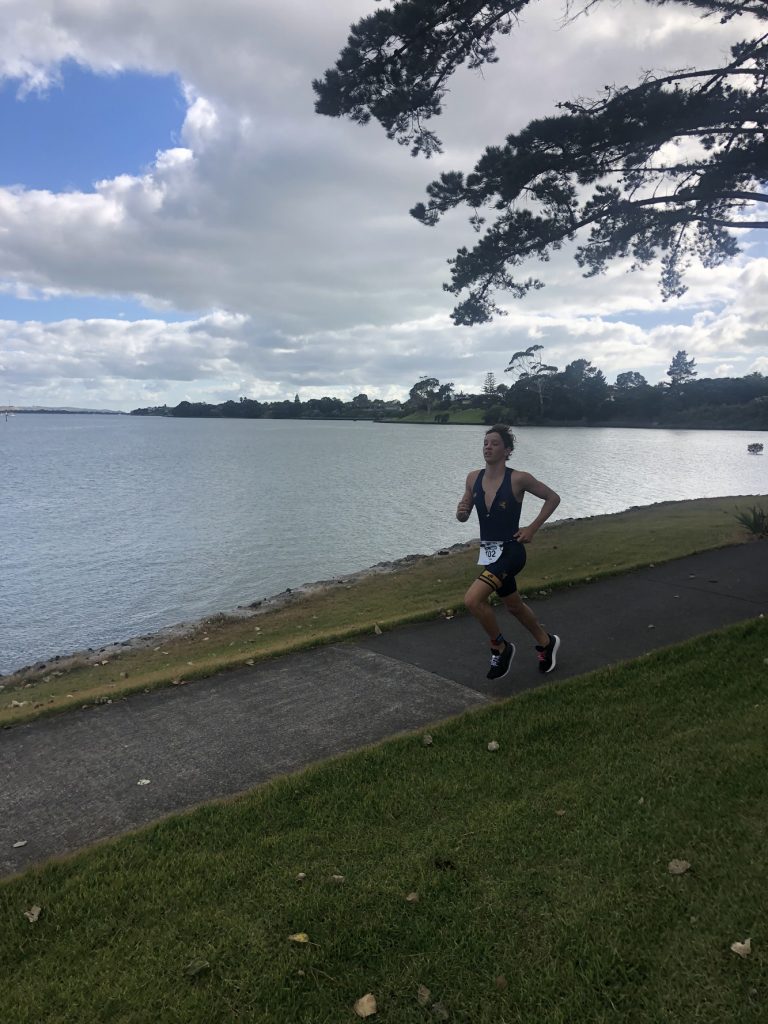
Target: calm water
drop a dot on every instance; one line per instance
(114, 526)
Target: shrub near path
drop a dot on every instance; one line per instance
(563, 553)
(540, 871)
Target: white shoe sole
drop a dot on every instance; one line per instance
(555, 649)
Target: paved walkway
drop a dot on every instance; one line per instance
(72, 779)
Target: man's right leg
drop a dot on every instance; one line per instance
(476, 603)
(502, 651)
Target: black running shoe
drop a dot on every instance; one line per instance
(548, 654)
(501, 661)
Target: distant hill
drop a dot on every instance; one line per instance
(45, 408)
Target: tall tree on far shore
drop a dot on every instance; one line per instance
(670, 168)
(681, 369)
(424, 393)
(489, 384)
(531, 371)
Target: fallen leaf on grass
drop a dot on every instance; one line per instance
(301, 877)
(678, 867)
(423, 995)
(426, 741)
(742, 949)
(32, 914)
(560, 812)
(195, 967)
(299, 937)
(412, 897)
(366, 1005)
(501, 983)
(493, 745)
(377, 631)
(440, 1011)
(337, 879)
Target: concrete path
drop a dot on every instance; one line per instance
(72, 779)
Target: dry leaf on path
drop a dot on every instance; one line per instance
(678, 867)
(742, 949)
(377, 631)
(423, 995)
(32, 914)
(366, 1005)
(21, 842)
(143, 782)
(299, 937)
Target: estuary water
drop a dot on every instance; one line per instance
(116, 526)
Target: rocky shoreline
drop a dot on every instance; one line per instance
(92, 655)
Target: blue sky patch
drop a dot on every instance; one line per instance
(648, 319)
(76, 307)
(87, 127)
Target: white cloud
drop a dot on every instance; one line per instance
(298, 225)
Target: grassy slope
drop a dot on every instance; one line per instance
(577, 913)
(563, 553)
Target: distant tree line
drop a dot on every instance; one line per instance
(538, 394)
(361, 407)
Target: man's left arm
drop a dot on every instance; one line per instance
(550, 498)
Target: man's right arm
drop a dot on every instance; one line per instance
(464, 508)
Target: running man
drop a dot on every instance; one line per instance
(497, 493)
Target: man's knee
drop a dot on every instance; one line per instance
(474, 599)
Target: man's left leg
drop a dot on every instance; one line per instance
(547, 644)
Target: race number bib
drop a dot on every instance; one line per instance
(490, 551)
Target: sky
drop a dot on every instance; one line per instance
(176, 223)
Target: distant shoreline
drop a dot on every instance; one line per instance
(13, 411)
(555, 424)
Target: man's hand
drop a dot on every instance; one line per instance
(464, 510)
(525, 534)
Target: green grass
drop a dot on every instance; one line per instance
(474, 415)
(661, 758)
(562, 554)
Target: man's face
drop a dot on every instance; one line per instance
(493, 448)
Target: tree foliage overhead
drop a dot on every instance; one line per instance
(665, 168)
